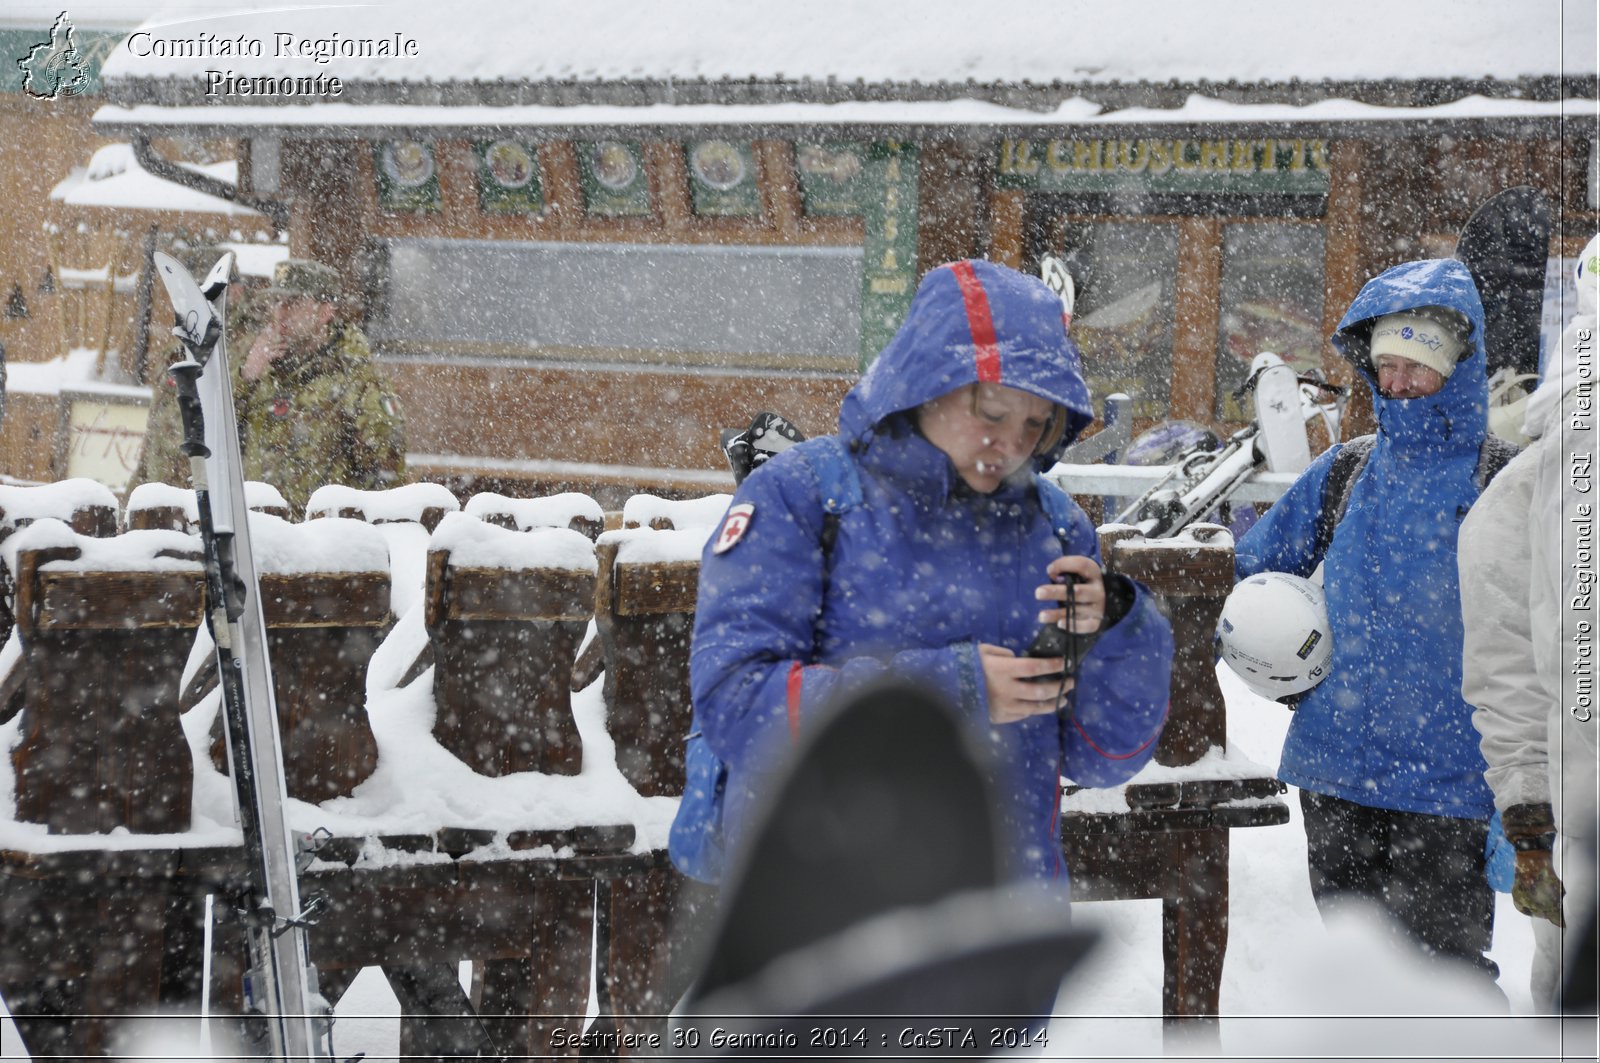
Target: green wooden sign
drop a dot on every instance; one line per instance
(833, 177)
(508, 177)
(722, 178)
(614, 181)
(1261, 165)
(408, 177)
(889, 249)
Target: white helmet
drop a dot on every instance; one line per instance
(1584, 273)
(1274, 634)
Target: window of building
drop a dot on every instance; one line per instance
(715, 305)
(1269, 299)
(1126, 273)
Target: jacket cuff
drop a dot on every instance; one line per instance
(1120, 593)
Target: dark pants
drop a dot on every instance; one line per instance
(1425, 871)
(694, 919)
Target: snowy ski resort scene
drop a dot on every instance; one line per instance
(834, 530)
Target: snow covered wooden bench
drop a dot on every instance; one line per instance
(512, 890)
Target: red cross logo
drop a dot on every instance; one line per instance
(733, 527)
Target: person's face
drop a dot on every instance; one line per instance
(988, 431)
(1401, 378)
(301, 320)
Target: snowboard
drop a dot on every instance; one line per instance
(1505, 245)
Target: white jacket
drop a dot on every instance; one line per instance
(1522, 597)
(1525, 591)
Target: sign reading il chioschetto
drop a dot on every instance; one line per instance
(1281, 166)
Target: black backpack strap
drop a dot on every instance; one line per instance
(839, 484)
(1347, 465)
(1493, 455)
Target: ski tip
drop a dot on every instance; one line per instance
(1058, 278)
(217, 276)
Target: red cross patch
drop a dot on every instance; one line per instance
(733, 528)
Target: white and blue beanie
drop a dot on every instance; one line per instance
(1432, 336)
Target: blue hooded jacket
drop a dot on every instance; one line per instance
(1388, 727)
(921, 572)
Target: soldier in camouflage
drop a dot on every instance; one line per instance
(311, 405)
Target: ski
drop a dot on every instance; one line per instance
(1058, 278)
(280, 981)
(1200, 480)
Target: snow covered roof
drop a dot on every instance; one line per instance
(77, 370)
(861, 117)
(114, 178)
(1040, 41)
(892, 62)
(256, 260)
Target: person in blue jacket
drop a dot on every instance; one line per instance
(942, 574)
(1383, 750)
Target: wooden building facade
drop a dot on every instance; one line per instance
(577, 285)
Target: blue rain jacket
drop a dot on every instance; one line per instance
(921, 572)
(1388, 727)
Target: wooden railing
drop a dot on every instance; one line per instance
(102, 650)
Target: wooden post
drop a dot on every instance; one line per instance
(1007, 211)
(1193, 572)
(503, 645)
(1177, 848)
(644, 616)
(101, 744)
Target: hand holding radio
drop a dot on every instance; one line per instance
(1069, 631)
(1038, 681)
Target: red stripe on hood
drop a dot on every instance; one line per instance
(976, 302)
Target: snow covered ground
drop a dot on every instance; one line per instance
(1284, 969)
(1291, 988)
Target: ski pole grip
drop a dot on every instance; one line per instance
(187, 376)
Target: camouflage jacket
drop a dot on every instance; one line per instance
(326, 417)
